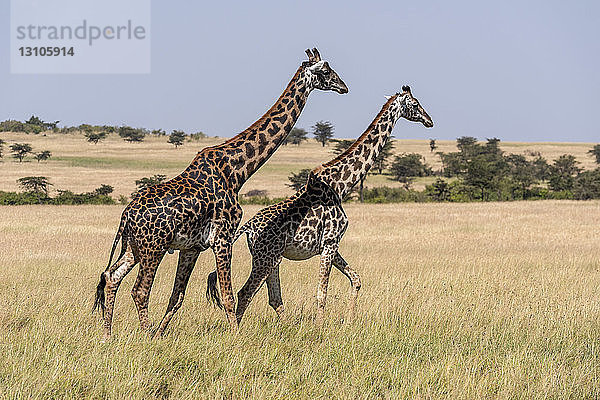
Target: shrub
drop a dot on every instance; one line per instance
(197, 136)
(66, 197)
(12, 126)
(393, 195)
(259, 200)
(145, 182)
(409, 165)
(43, 156)
(95, 137)
(438, 191)
(131, 135)
(256, 193)
(24, 198)
(298, 180)
(296, 136)
(177, 138)
(587, 185)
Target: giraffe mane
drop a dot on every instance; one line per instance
(358, 141)
(262, 119)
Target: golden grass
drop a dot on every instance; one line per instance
(495, 300)
(80, 166)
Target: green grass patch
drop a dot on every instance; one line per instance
(120, 163)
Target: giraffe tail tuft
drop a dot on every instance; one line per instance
(99, 301)
(212, 293)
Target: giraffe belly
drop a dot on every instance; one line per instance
(298, 254)
(301, 250)
(195, 239)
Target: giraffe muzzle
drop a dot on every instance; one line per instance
(341, 88)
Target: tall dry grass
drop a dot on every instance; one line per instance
(496, 300)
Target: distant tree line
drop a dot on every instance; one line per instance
(36, 191)
(483, 172)
(97, 133)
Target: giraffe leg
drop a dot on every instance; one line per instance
(324, 271)
(143, 285)
(274, 287)
(114, 276)
(261, 269)
(222, 251)
(352, 275)
(185, 266)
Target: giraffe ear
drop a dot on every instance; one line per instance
(387, 97)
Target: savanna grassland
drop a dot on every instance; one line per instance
(458, 301)
(80, 166)
(470, 300)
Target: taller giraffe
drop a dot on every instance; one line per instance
(199, 209)
(312, 221)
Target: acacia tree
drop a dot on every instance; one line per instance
(439, 190)
(131, 135)
(432, 145)
(323, 131)
(34, 121)
(177, 138)
(595, 151)
(381, 162)
(407, 166)
(562, 173)
(341, 145)
(541, 168)
(20, 150)
(197, 136)
(35, 184)
(522, 172)
(296, 136)
(43, 156)
(95, 137)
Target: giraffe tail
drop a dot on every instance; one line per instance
(212, 292)
(121, 235)
(240, 232)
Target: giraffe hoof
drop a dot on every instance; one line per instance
(280, 311)
(105, 339)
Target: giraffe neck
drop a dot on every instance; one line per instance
(350, 167)
(250, 149)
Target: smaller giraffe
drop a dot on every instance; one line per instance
(312, 221)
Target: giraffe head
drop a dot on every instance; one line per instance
(321, 75)
(410, 108)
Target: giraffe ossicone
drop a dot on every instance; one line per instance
(198, 209)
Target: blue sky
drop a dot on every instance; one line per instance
(525, 71)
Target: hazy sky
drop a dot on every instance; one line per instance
(516, 70)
